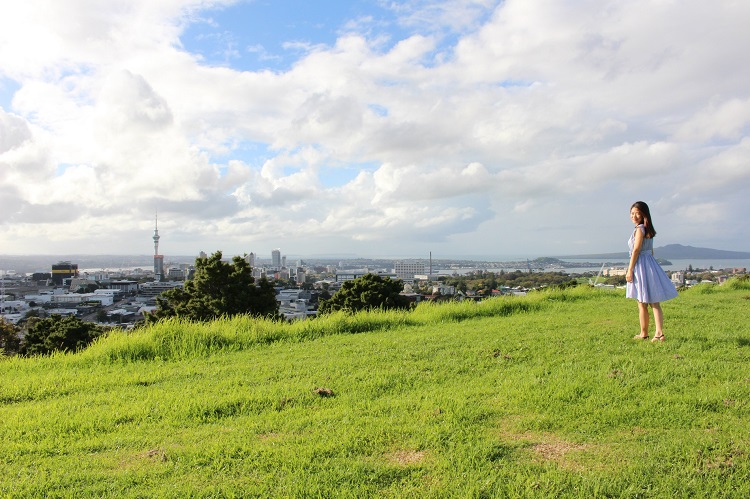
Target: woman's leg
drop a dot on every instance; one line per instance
(658, 319)
(643, 318)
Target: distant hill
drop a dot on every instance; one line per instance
(675, 252)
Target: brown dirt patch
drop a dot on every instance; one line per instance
(324, 392)
(406, 457)
(556, 450)
(154, 455)
(548, 447)
(269, 437)
(146, 458)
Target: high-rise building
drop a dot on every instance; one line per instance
(250, 259)
(62, 271)
(158, 259)
(276, 258)
(406, 270)
(300, 276)
(176, 274)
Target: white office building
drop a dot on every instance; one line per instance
(407, 270)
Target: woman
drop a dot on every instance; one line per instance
(647, 282)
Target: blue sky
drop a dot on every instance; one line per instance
(7, 89)
(375, 128)
(257, 35)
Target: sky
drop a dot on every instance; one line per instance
(372, 128)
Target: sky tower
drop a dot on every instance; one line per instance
(158, 259)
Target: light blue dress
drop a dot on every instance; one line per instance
(650, 282)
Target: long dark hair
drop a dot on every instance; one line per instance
(648, 224)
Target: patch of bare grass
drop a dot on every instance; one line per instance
(546, 447)
(324, 392)
(270, 437)
(406, 457)
(560, 452)
(144, 458)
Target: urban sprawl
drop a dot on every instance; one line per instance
(123, 296)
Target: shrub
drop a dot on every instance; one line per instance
(368, 292)
(57, 333)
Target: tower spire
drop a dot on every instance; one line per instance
(158, 259)
(156, 234)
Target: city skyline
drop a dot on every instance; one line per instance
(372, 129)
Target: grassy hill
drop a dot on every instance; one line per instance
(538, 396)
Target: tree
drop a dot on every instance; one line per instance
(57, 333)
(9, 340)
(32, 313)
(218, 289)
(86, 288)
(367, 292)
(101, 315)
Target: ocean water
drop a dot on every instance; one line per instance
(682, 264)
(574, 266)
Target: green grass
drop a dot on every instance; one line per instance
(540, 396)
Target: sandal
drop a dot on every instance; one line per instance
(639, 337)
(658, 338)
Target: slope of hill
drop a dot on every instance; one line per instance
(540, 396)
(676, 252)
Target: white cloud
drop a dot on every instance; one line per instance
(535, 118)
(705, 213)
(727, 119)
(15, 131)
(724, 173)
(452, 15)
(24, 155)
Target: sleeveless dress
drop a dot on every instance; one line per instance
(650, 282)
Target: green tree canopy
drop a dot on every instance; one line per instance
(218, 289)
(367, 292)
(9, 340)
(57, 333)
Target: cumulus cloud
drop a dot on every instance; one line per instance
(515, 126)
(720, 120)
(15, 131)
(24, 154)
